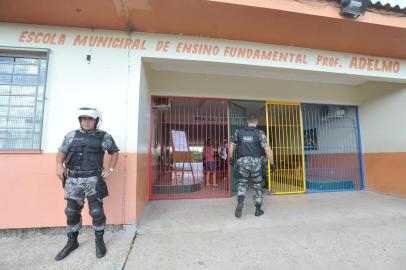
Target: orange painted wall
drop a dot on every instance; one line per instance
(347, 165)
(142, 183)
(31, 195)
(385, 172)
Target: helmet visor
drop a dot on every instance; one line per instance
(89, 112)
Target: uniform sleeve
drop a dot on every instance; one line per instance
(67, 140)
(234, 139)
(109, 145)
(262, 139)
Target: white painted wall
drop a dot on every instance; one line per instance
(334, 135)
(109, 81)
(234, 87)
(382, 116)
(112, 81)
(144, 112)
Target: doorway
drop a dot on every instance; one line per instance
(187, 138)
(284, 131)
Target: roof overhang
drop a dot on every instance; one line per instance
(288, 22)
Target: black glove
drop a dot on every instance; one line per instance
(273, 167)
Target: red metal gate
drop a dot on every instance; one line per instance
(187, 154)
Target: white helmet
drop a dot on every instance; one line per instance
(90, 111)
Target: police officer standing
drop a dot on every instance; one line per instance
(79, 164)
(249, 141)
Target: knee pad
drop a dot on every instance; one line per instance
(97, 212)
(72, 211)
(257, 187)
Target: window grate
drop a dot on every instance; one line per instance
(22, 94)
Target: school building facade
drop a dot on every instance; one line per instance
(167, 75)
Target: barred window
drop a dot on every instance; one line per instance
(22, 93)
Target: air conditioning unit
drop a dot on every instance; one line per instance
(161, 103)
(332, 112)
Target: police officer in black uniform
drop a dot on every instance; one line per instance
(79, 164)
(249, 141)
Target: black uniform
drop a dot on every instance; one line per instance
(84, 155)
(249, 142)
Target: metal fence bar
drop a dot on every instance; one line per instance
(284, 127)
(183, 126)
(291, 149)
(334, 163)
(361, 160)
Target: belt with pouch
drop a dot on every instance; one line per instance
(83, 174)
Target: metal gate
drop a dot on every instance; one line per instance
(284, 131)
(188, 136)
(332, 148)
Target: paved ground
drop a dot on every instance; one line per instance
(38, 252)
(343, 230)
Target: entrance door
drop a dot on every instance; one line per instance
(332, 148)
(284, 132)
(187, 136)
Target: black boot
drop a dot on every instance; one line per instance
(70, 246)
(238, 210)
(100, 246)
(258, 210)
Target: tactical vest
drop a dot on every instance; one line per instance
(85, 152)
(248, 142)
